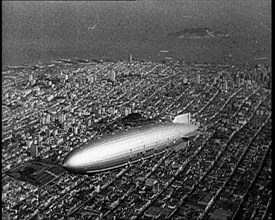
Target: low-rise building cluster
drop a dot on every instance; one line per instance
(225, 172)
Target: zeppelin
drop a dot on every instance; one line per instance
(113, 151)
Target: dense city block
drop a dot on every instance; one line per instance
(50, 109)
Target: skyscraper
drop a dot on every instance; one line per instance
(113, 76)
(48, 119)
(34, 150)
(225, 86)
(30, 77)
(198, 78)
(75, 130)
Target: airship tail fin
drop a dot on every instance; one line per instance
(184, 118)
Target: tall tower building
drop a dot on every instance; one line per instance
(130, 58)
(225, 86)
(238, 80)
(30, 77)
(48, 119)
(99, 110)
(76, 130)
(34, 150)
(199, 78)
(113, 76)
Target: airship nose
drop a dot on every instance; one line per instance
(72, 164)
(67, 165)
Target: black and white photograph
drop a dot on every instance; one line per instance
(136, 110)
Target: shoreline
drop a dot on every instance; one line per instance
(79, 61)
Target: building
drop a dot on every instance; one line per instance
(62, 118)
(153, 212)
(215, 80)
(91, 79)
(89, 122)
(225, 86)
(75, 130)
(198, 78)
(220, 214)
(127, 111)
(30, 77)
(29, 143)
(34, 150)
(156, 188)
(113, 76)
(185, 80)
(48, 118)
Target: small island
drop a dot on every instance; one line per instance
(197, 33)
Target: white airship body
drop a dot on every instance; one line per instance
(113, 151)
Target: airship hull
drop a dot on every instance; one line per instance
(113, 151)
(120, 163)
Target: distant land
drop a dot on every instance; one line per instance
(195, 33)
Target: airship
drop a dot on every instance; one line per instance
(118, 150)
